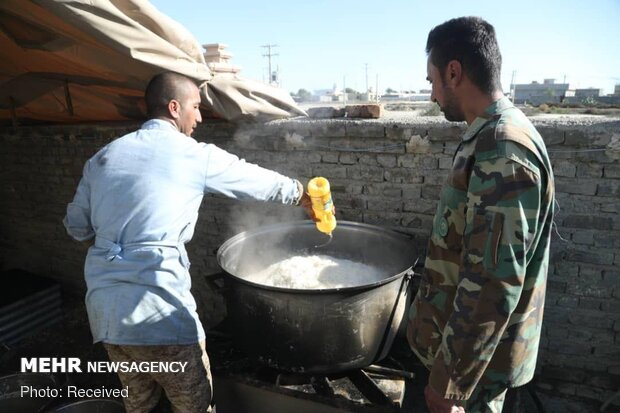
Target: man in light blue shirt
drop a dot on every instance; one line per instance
(138, 202)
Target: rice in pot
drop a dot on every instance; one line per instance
(317, 272)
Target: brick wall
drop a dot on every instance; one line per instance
(384, 172)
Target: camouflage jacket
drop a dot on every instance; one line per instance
(477, 315)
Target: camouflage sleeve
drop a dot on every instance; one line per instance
(502, 209)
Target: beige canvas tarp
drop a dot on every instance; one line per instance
(82, 61)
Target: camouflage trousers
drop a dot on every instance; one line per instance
(188, 392)
(486, 399)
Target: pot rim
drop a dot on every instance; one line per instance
(307, 223)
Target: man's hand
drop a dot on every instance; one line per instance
(306, 203)
(437, 404)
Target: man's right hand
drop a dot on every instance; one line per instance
(437, 404)
(306, 203)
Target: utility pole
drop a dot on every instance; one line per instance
(344, 90)
(367, 95)
(268, 55)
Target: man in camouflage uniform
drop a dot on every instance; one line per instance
(476, 320)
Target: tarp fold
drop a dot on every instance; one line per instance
(87, 61)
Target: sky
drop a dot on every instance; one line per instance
(322, 43)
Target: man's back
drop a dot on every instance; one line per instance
(147, 186)
(139, 196)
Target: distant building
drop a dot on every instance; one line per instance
(538, 93)
(587, 93)
(550, 92)
(407, 96)
(594, 96)
(336, 95)
(327, 95)
(370, 96)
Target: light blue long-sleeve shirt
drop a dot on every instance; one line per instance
(139, 198)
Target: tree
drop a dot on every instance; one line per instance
(390, 90)
(303, 95)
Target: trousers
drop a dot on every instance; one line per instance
(189, 391)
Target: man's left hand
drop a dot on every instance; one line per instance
(437, 404)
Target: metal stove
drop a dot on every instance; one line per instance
(266, 390)
(242, 385)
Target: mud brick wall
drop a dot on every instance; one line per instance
(386, 172)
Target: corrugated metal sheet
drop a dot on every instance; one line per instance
(29, 305)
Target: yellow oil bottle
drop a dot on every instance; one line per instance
(322, 204)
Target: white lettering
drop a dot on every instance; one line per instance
(74, 365)
(136, 367)
(114, 366)
(44, 365)
(29, 391)
(183, 364)
(58, 364)
(73, 391)
(29, 365)
(51, 365)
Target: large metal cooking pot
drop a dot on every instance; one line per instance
(319, 330)
(35, 400)
(91, 406)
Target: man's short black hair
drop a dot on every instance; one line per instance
(472, 42)
(163, 88)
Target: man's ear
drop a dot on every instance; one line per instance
(174, 107)
(454, 72)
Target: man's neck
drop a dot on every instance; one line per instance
(477, 102)
(167, 119)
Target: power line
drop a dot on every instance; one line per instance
(268, 55)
